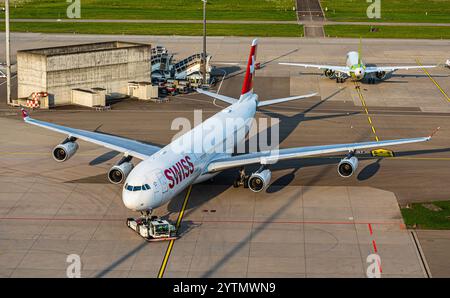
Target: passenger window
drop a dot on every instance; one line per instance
(136, 188)
(129, 187)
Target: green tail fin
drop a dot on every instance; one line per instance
(360, 51)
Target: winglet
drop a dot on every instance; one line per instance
(24, 113)
(434, 132)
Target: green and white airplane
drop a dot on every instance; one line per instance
(356, 69)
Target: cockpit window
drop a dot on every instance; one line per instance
(136, 188)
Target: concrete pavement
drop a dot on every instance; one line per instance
(309, 222)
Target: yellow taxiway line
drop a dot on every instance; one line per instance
(170, 246)
(366, 110)
(433, 80)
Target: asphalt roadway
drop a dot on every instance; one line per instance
(316, 19)
(50, 210)
(408, 104)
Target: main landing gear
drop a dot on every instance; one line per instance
(340, 80)
(151, 228)
(371, 81)
(242, 179)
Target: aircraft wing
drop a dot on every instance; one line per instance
(127, 146)
(394, 68)
(342, 69)
(271, 157)
(224, 98)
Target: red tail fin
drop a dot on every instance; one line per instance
(24, 113)
(250, 73)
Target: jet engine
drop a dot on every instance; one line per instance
(64, 151)
(119, 172)
(380, 74)
(259, 180)
(329, 73)
(347, 166)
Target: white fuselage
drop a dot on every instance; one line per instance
(357, 68)
(184, 161)
(352, 59)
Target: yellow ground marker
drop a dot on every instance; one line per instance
(366, 110)
(170, 246)
(433, 80)
(382, 153)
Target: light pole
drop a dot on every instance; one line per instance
(204, 42)
(8, 58)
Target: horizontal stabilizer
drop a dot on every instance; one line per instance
(342, 69)
(280, 100)
(224, 98)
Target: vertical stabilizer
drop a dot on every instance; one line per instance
(360, 51)
(247, 87)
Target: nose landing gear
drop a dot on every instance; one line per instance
(146, 214)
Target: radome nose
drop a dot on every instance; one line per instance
(130, 200)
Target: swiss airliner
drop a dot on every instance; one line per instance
(165, 172)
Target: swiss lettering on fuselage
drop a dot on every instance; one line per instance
(179, 171)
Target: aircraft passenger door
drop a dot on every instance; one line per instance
(156, 186)
(163, 182)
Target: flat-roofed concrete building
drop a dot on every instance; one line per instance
(59, 70)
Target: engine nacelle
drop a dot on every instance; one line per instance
(330, 73)
(118, 173)
(64, 151)
(260, 180)
(347, 166)
(380, 74)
